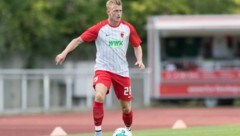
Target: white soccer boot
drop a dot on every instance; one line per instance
(129, 131)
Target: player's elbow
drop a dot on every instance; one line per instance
(77, 40)
(138, 47)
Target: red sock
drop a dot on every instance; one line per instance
(127, 118)
(98, 113)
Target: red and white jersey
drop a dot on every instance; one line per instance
(112, 44)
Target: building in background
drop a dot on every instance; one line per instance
(205, 51)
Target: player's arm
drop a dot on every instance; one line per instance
(138, 54)
(89, 35)
(70, 47)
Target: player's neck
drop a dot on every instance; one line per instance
(113, 23)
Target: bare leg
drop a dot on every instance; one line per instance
(100, 92)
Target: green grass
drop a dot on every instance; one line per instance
(228, 130)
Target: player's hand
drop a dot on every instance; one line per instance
(60, 58)
(140, 65)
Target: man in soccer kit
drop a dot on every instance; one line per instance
(111, 37)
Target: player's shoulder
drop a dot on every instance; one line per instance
(102, 23)
(132, 28)
(126, 23)
(98, 26)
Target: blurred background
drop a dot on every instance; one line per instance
(189, 53)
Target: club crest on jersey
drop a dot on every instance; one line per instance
(122, 34)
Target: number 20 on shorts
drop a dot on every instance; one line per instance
(127, 91)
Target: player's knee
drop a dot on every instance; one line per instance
(99, 97)
(126, 109)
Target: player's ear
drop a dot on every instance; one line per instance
(108, 11)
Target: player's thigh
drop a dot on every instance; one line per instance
(101, 84)
(101, 89)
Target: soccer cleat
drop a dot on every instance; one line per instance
(129, 128)
(98, 133)
(129, 132)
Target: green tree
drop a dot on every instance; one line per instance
(42, 28)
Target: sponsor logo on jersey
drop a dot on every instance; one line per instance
(115, 43)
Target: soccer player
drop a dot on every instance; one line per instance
(111, 37)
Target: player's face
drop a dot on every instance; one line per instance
(115, 13)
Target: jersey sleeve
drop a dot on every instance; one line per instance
(134, 38)
(90, 34)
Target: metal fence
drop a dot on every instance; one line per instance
(46, 90)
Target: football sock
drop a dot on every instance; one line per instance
(98, 114)
(98, 128)
(127, 119)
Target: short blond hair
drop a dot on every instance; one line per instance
(111, 2)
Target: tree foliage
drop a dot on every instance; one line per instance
(42, 28)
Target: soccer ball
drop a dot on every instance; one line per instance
(122, 132)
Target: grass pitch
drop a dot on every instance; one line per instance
(228, 130)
